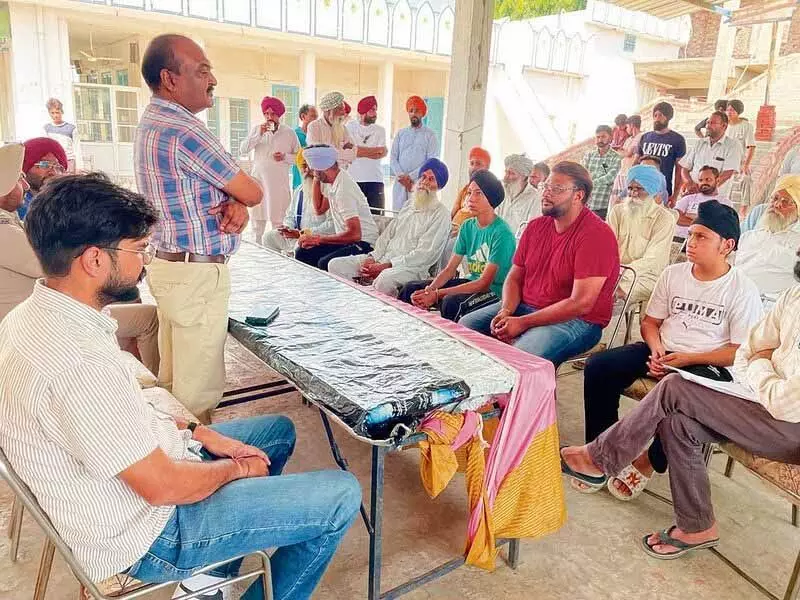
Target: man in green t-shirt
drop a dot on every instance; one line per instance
(486, 242)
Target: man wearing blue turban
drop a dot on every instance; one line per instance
(644, 230)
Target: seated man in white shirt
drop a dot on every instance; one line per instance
(300, 215)
(335, 191)
(767, 254)
(687, 205)
(411, 244)
(699, 314)
(127, 487)
(523, 202)
(715, 150)
(686, 416)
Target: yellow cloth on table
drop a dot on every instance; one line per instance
(523, 507)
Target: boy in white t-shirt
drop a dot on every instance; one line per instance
(699, 314)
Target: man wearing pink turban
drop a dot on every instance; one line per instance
(275, 146)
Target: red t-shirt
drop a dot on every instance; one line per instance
(552, 261)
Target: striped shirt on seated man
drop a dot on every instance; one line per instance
(202, 196)
(128, 487)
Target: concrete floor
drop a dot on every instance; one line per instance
(596, 555)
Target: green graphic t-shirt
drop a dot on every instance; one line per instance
(494, 244)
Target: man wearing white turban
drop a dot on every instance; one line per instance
(767, 254)
(644, 230)
(329, 129)
(523, 202)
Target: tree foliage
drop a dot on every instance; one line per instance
(528, 9)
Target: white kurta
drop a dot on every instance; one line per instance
(768, 258)
(520, 210)
(320, 132)
(273, 175)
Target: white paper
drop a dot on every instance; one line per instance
(726, 387)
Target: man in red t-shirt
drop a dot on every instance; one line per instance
(559, 293)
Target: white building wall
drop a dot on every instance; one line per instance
(552, 79)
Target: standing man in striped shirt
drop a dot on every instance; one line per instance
(202, 196)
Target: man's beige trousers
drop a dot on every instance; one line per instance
(192, 301)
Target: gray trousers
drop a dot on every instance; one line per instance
(686, 416)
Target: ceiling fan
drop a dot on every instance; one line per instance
(90, 56)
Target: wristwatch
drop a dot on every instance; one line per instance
(192, 426)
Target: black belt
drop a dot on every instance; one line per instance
(191, 257)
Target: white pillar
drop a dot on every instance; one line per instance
(466, 98)
(386, 100)
(40, 66)
(722, 67)
(308, 77)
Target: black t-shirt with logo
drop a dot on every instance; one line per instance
(670, 147)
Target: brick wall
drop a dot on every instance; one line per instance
(741, 47)
(705, 30)
(791, 39)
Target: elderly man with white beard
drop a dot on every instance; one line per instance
(767, 253)
(330, 130)
(523, 202)
(644, 230)
(300, 215)
(411, 244)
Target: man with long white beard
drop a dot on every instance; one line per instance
(411, 244)
(300, 215)
(644, 230)
(523, 202)
(330, 130)
(767, 253)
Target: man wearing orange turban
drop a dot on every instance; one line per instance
(367, 172)
(276, 146)
(411, 149)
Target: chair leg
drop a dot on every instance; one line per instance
(729, 467)
(15, 528)
(793, 589)
(795, 516)
(45, 565)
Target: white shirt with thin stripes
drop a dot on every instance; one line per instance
(72, 417)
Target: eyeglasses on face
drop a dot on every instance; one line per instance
(557, 189)
(48, 164)
(148, 252)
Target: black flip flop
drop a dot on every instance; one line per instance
(591, 481)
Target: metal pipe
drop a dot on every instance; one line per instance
(771, 67)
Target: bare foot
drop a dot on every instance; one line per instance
(578, 459)
(642, 463)
(690, 538)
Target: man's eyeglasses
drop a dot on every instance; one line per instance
(148, 252)
(47, 164)
(635, 190)
(557, 189)
(779, 200)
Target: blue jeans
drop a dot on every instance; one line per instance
(555, 343)
(304, 515)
